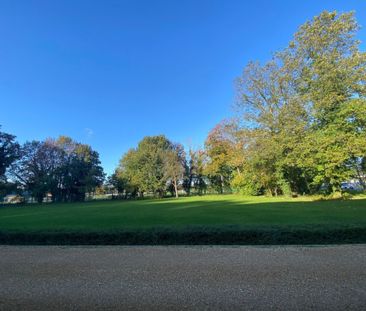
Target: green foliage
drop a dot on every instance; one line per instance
(62, 167)
(302, 122)
(119, 184)
(301, 129)
(334, 82)
(174, 164)
(196, 235)
(245, 184)
(152, 165)
(195, 172)
(219, 150)
(9, 152)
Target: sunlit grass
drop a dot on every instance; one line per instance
(211, 210)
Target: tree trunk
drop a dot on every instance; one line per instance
(222, 183)
(40, 199)
(175, 187)
(238, 170)
(190, 184)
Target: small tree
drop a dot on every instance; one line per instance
(174, 166)
(218, 149)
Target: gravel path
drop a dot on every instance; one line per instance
(184, 278)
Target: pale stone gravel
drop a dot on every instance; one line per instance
(183, 278)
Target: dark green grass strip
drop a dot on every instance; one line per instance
(191, 236)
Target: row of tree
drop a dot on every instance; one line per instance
(300, 128)
(156, 166)
(62, 168)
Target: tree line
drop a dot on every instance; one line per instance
(158, 166)
(299, 128)
(62, 168)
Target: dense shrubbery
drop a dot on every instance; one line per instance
(225, 235)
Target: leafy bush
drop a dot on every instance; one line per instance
(228, 235)
(245, 184)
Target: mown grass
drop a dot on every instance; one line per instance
(214, 219)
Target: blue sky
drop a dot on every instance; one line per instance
(108, 73)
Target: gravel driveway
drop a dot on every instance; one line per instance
(183, 278)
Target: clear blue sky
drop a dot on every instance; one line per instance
(107, 73)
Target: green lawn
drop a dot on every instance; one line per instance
(206, 211)
(212, 219)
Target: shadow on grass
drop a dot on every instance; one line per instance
(210, 221)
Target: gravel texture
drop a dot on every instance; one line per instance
(183, 278)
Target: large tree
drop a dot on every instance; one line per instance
(334, 87)
(64, 168)
(302, 114)
(9, 152)
(145, 167)
(219, 148)
(36, 168)
(80, 171)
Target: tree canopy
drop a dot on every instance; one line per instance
(300, 129)
(155, 163)
(63, 168)
(304, 110)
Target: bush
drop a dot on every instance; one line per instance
(225, 235)
(245, 184)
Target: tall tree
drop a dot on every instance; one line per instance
(80, 171)
(9, 152)
(36, 168)
(334, 87)
(305, 108)
(144, 166)
(62, 167)
(174, 165)
(194, 172)
(218, 148)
